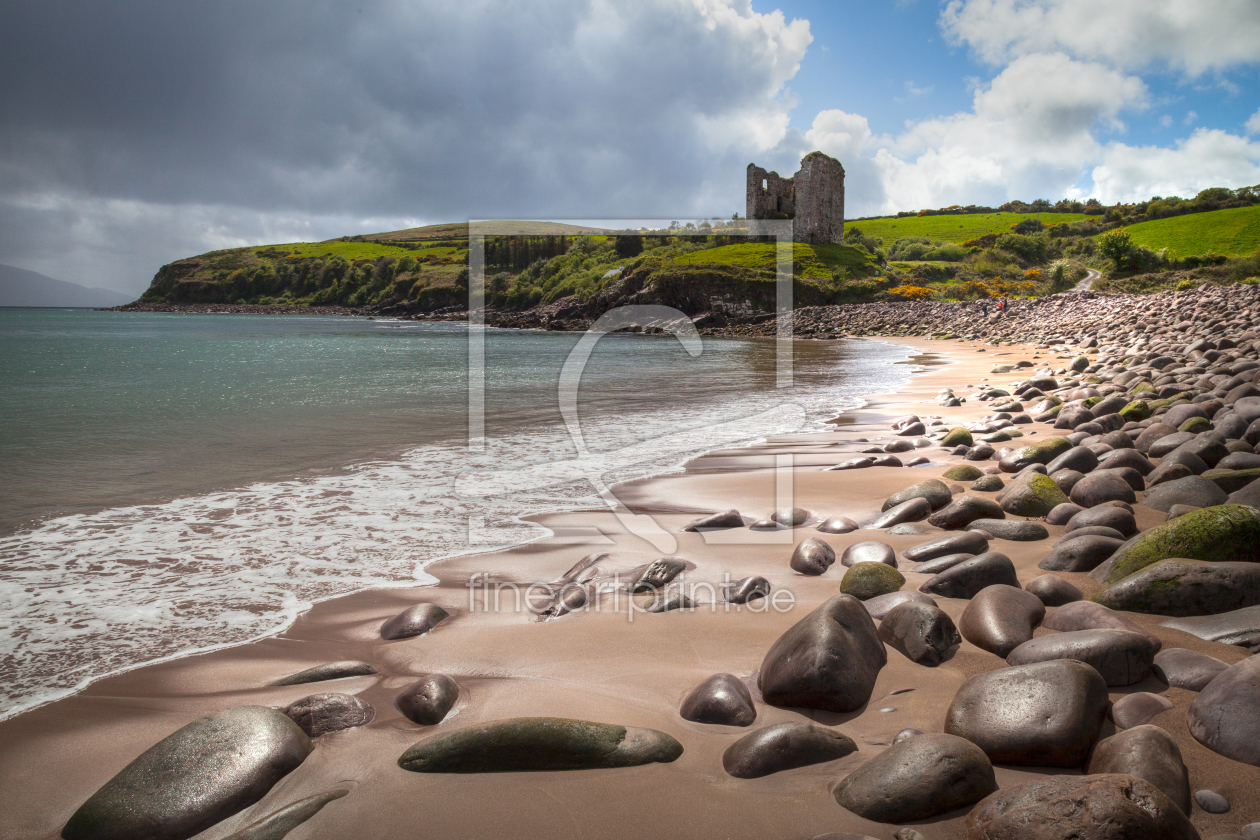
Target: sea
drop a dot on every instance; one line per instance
(176, 483)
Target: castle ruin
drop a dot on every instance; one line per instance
(813, 198)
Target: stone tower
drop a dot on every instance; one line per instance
(813, 198)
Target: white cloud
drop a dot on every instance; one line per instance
(1166, 121)
(1253, 124)
(1208, 158)
(1194, 36)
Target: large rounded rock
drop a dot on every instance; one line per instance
(195, 777)
(812, 556)
(869, 551)
(722, 699)
(934, 490)
(1193, 490)
(327, 671)
(1225, 717)
(923, 634)
(962, 472)
(918, 778)
(413, 621)
(828, 660)
(717, 522)
(880, 606)
(1151, 434)
(1138, 708)
(1106, 516)
(970, 576)
(1046, 715)
(1187, 669)
(1062, 514)
(1169, 443)
(957, 436)
(1087, 615)
(1091, 531)
(747, 589)
(1082, 554)
(1033, 494)
(940, 564)
(320, 714)
(1103, 807)
(967, 542)
(1042, 452)
(964, 510)
(658, 573)
(1236, 627)
(790, 517)
(914, 510)
(1077, 458)
(867, 580)
(428, 700)
(1012, 530)
(1000, 618)
(1121, 458)
(1186, 587)
(1053, 591)
(1065, 480)
(1121, 657)
(539, 743)
(1097, 488)
(784, 746)
(1224, 532)
(1231, 481)
(837, 525)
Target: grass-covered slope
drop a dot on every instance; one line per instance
(1230, 232)
(815, 262)
(954, 228)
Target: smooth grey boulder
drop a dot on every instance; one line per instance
(1225, 717)
(914, 510)
(970, 576)
(962, 511)
(1106, 516)
(717, 521)
(1239, 461)
(940, 564)
(790, 517)
(748, 589)
(1122, 458)
(278, 825)
(1091, 531)
(1152, 433)
(195, 777)
(1187, 669)
(1077, 458)
(320, 714)
(828, 660)
(880, 606)
(721, 699)
(968, 542)
(1065, 480)
(924, 634)
(1186, 588)
(1205, 447)
(1088, 615)
(869, 551)
(1249, 495)
(1082, 554)
(912, 529)
(1223, 532)
(1063, 513)
(428, 700)
(1113, 806)
(812, 556)
(1053, 591)
(1047, 714)
(1099, 487)
(1231, 481)
(413, 621)
(1187, 459)
(1169, 471)
(328, 671)
(1146, 752)
(837, 525)
(1168, 444)
(1179, 414)
(918, 778)
(1012, 530)
(784, 746)
(934, 490)
(534, 744)
(1121, 657)
(657, 574)
(1138, 708)
(1000, 618)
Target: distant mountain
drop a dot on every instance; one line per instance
(19, 287)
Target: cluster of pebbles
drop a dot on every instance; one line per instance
(1140, 444)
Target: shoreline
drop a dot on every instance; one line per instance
(628, 668)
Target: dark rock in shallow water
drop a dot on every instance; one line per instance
(970, 576)
(837, 525)
(1000, 618)
(1187, 669)
(880, 606)
(914, 510)
(1121, 657)
(721, 699)
(1088, 615)
(1013, 530)
(866, 579)
(413, 621)
(923, 634)
(1080, 555)
(320, 714)
(1186, 588)
(828, 660)
(1053, 590)
(657, 574)
(1136, 709)
(1193, 490)
(812, 556)
(1113, 806)
(540, 743)
(1224, 532)
(717, 521)
(278, 825)
(919, 778)
(199, 775)
(428, 700)
(748, 589)
(784, 746)
(869, 551)
(962, 511)
(1225, 717)
(1046, 715)
(967, 542)
(329, 671)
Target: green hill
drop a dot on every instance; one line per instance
(948, 228)
(808, 261)
(1231, 232)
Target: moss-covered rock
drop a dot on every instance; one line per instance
(1033, 494)
(1231, 481)
(1035, 453)
(963, 472)
(1090, 402)
(1220, 533)
(1195, 425)
(1186, 588)
(1136, 411)
(868, 580)
(988, 484)
(1143, 387)
(958, 436)
(540, 743)
(1080, 363)
(934, 490)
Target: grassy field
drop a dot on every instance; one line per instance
(814, 261)
(347, 250)
(953, 228)
(1231, 232)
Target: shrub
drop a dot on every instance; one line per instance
(1188, 284)
(1028, 248)
(1027, 226)
(913, 292)
(628, 246)
(947, 253)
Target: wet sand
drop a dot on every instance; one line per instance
(607, 664)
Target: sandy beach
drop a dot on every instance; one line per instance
(606, 663)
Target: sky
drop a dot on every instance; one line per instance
(137, 132)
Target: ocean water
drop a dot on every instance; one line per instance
(176, 483)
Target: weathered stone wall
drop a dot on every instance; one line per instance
(769, 196)
(813, 198)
